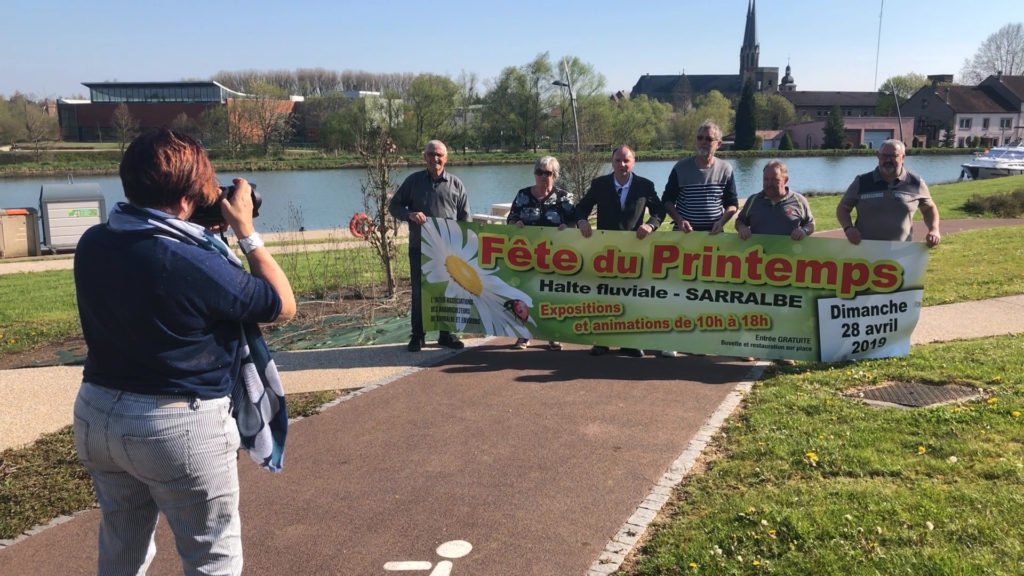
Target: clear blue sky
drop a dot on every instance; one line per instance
(50, 48)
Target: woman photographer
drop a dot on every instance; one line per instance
(162, 307)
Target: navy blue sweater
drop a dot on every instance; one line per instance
(163, 317)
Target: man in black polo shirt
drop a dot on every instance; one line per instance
(430, 193)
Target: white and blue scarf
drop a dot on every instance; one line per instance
(257, 398)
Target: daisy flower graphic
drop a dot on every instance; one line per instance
(450, 258)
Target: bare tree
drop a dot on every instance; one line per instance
(579, 168)
(314, 82)
(26, 120)
(126, 127)
(1003, 52)
(264, 118)
(381, 157)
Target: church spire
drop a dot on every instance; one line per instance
(750, 34)
(750, 51)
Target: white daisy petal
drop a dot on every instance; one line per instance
(453, 260)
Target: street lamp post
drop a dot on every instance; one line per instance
(572, 99)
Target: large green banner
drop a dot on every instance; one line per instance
(767, 297)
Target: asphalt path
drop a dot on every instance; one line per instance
(536, 458)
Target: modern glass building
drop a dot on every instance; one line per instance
(191, 92)
(150, 104)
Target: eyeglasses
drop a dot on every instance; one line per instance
(543, 173)
(703, 138)
(890, 155)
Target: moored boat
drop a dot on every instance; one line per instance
(1005, 160)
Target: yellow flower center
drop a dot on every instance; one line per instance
(464, 275)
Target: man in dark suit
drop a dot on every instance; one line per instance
(621, 198)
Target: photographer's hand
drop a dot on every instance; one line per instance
(237, 210)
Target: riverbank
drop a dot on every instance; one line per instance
(63, 163)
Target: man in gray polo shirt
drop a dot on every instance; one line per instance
(886, 199)
(430, 193)
(776, 209)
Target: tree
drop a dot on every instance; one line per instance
(1003, 52)
(467, 117)
(263, 118)
(8, 125)
(787, 142)
(505, 110)
(27, 121)
(898, 88)
(315, 111)
(746, 119)
(213, 128)
(594, 113)
(835, 130)
(579, 168)
(713, 106)
(182, 123)
(948, 136)
(126, 127)
(346, 129)
(774, 112)
(380, 155)
(430, 103)
(638, 122)
(539, 75)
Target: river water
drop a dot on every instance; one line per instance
(324, 199)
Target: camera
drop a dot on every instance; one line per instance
(208, 216)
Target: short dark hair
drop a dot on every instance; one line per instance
(162, 166)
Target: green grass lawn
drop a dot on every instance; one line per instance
(41, 306)
(807, 481)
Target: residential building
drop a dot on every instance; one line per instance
(861, 131)
(811, 105)
(989, 114)
(770, 139)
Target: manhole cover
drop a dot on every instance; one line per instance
(915, 394)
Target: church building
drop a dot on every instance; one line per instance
(680, 90)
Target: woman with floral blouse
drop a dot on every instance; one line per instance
(542, 204)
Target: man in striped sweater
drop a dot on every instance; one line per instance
(701, 190)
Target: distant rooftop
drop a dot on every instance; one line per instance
(196, 92)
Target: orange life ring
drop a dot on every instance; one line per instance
(360, 225)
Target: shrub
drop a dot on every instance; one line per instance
(1002, 205)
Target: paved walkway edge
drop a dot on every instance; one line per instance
(633, 530)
